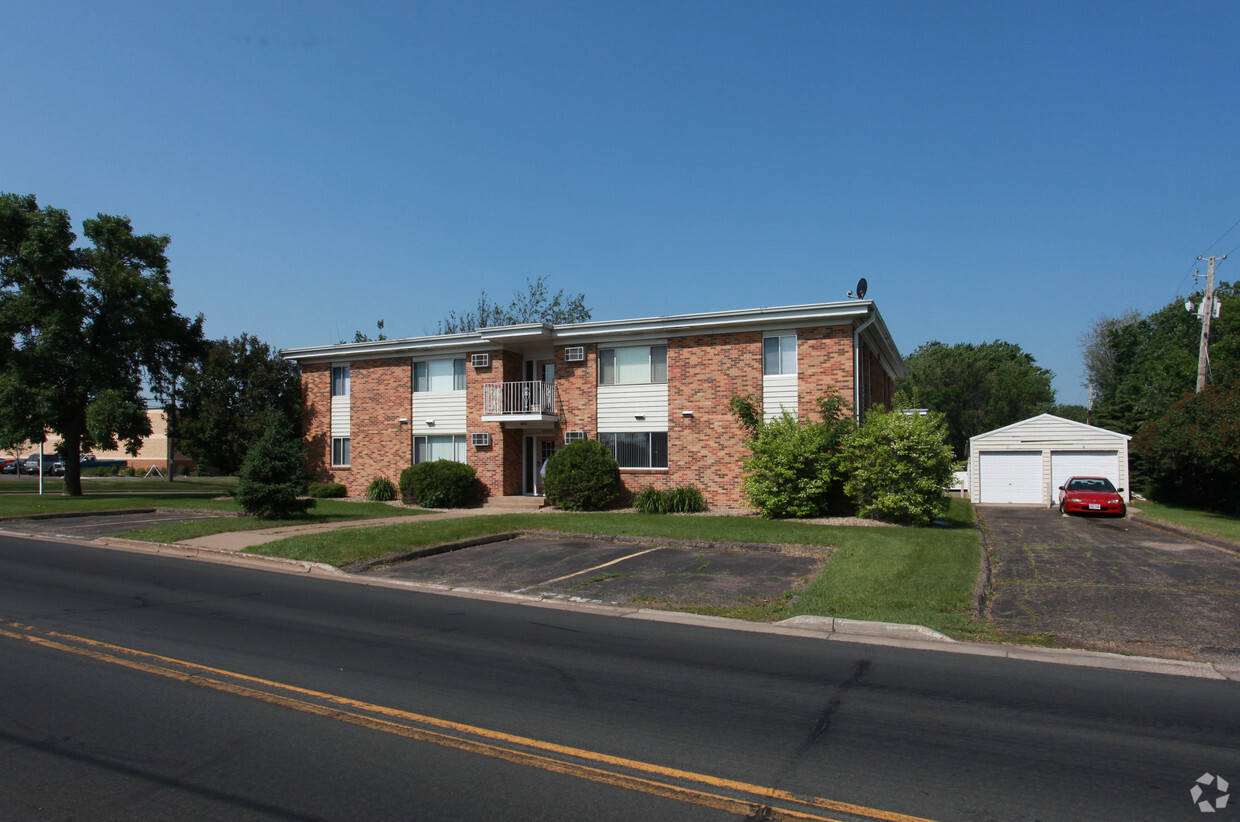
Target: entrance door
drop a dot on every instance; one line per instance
(538, 449)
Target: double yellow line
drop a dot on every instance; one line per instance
(728, 795)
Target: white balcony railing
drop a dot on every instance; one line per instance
(512, 398)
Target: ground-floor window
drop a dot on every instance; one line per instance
(439, 447)
(645, 449)
(340, 452)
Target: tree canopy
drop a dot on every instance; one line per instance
(533, 305)
(230, 397)
(1140, 365)
(977, 387)
(82, 330)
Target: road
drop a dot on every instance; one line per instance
(139, 687)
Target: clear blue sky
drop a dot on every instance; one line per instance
(997, 170)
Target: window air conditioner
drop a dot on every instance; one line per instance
(481, 438)
(480, 360)
(573, 436)
(576, 353)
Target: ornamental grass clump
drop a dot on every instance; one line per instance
(381, 489)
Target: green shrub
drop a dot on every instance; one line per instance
(794, 468)
(582, 476)
(1191, 454)
(380, 489)
(439, 484)
(684, 500)
(899, 466)
(327, 490)
(271, 482)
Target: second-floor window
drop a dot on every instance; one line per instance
(632, 364)
(779, 355)
(439, 375)
(340, 380)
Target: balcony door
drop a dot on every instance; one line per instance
(538, 449)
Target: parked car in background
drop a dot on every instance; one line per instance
(8, 465)
(1091, 495)
(88, 461)
(31, 465)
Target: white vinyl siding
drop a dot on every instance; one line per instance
(447, 409)
(632, 407)
(340, 410)
(340, 416)
(779, 394)
(1011, 477)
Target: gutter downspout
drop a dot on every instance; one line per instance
(857, 364)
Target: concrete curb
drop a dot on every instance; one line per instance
(913, 637)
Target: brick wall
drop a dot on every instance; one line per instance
(381, 394)
(316, 421)
(824, 362)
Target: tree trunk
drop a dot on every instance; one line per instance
(71, 456)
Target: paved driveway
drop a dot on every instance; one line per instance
(1112, 585)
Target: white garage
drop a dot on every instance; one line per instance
(1027, 461)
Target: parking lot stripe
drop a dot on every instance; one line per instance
(596, 567)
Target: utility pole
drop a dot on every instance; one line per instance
(1207, 312)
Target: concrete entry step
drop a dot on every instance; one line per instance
(515, 504)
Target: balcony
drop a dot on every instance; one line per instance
(518, 402)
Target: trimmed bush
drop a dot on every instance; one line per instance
(439, 484)
(270, 483)
(327, 490)
(582, 476)
(900, 465)
(380, 489)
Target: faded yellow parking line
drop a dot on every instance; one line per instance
(740, 797)
(588, 570)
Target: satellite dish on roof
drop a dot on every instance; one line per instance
(861, 288)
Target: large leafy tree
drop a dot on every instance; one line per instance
(1191, 454)
(82, 329)
(977, 387)
(533, 305)
(230, 397)
(1140, 365)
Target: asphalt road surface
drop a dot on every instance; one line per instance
(138, 687)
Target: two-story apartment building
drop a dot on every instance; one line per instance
(653, 390)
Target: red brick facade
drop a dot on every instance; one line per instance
(704, 371)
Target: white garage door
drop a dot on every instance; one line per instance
(1011, 476)
(1067, 464)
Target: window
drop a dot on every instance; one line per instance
(447, 447)
(340, 381)
(638, 450)
(439, 375)
(634, 364)
(779, 355)
(340, 451)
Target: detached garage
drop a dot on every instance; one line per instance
(1027, 461)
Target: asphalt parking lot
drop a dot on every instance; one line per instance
(649, 574)
(93, 526)
(1112, 585)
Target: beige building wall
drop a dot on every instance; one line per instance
(154, 450)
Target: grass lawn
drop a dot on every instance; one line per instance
(923, 576)
(91, 485)
(1203, 522)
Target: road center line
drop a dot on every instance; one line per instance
(549, 756)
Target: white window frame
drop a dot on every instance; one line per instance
(458, 375)
(341, 381)
(460, 446)
(608, 438)
(784, 361)
(609, 365)
(340, 452)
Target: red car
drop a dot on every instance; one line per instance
(1091, 495)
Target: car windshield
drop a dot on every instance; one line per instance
(1091, 484)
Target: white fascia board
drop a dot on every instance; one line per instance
(414, 346)
(717, 321)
